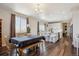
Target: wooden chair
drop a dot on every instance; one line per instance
(6, 47)
(9, 46)
(4, 51)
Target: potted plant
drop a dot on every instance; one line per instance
(28, 31)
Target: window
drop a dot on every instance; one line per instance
(20, 24)
(41, 28)
(57, 27)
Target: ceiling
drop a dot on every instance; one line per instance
(48, 11)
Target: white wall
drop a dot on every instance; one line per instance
(33, 25)
(75, 20)
(68, 27)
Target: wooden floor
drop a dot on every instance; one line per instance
(62, 47)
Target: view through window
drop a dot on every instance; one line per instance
(20, 24)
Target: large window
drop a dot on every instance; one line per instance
(20, 24)
(41, 28)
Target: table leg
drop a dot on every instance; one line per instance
(77, 48)
(20, 52)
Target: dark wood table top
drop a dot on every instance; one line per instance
(26, 40)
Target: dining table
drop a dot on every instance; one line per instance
(25, 41)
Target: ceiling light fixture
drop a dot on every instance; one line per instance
(37, 10)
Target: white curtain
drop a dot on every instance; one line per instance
(20, 24)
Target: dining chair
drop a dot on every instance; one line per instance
(53, 37)
(9, 46)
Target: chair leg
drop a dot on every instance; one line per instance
(16, 51)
